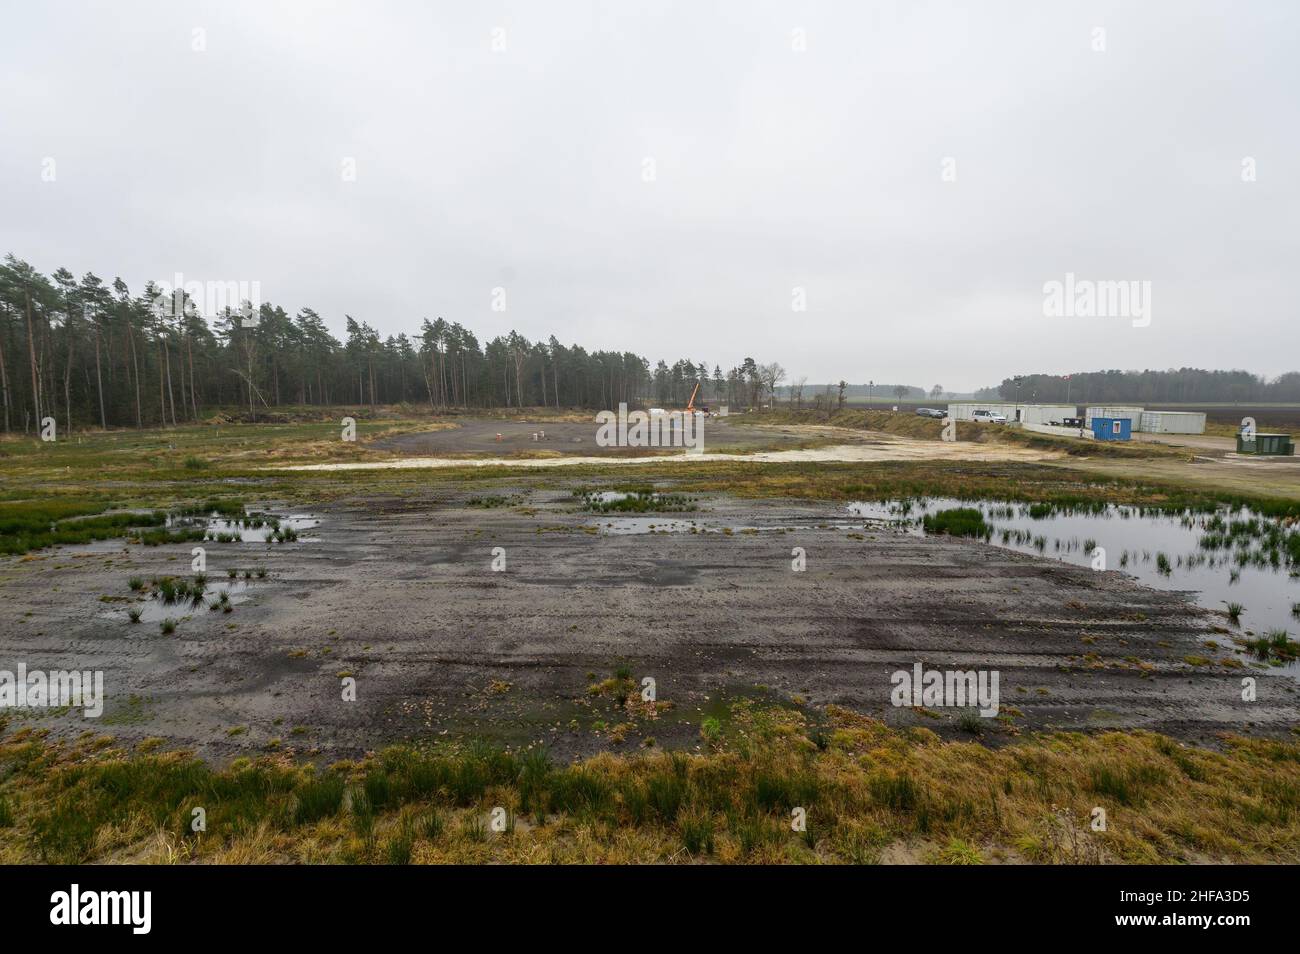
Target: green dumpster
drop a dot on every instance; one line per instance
(1273, 445)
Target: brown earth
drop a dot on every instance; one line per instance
(479, 436)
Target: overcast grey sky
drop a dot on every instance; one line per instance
(774, 168)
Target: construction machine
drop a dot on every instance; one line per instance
(690, 405)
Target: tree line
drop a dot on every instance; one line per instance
(89, 353)
(1181, 386)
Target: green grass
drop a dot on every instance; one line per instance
(25, 527)
(639, 500)
(318, 798)
(1276, 646)
(957, 522)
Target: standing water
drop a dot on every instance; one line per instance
(1226, 557)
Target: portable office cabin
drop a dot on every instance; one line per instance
(1133, 414)
(1111, 428)
(1014, 413)
(1272, 445)
(1044, 413)
(1172, 422)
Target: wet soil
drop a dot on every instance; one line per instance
(400, 594)
(479, 436)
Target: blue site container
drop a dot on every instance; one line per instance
(1112, 428)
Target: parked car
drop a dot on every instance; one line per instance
(988, 417)
(930, 412)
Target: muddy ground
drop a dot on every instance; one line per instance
(400, 594)
(479, 436)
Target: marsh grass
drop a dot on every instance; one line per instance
(636, 500)
(25, 527)
(1276, 646)
(958, 522)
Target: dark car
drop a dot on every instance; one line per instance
(931, 412)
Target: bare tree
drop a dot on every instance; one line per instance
(772, 375)
(796, 391)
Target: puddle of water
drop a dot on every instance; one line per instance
(255, 528)
(621, 525)
(154, 610)
(1134, 540)
(650, 525)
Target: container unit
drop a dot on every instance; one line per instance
(1172, 422)
(1044, 413)
(1111, 428)
(1133, 414)
(1015, 413)
(1271, 445)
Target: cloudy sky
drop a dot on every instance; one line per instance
(675, 178)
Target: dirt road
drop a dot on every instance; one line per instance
(479, 436)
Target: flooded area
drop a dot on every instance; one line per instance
(1182, 552)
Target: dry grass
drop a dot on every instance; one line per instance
(870, 794)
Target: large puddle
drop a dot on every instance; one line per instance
(1225, 557)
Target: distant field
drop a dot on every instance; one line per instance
(1268, 417)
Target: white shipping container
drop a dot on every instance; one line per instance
(1173, 422)
(1024, 413)
(1045, 413)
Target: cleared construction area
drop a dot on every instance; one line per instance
(401, 594)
